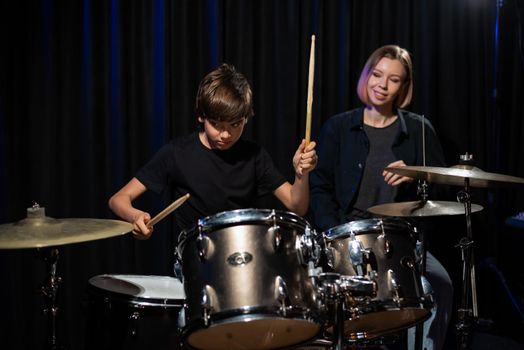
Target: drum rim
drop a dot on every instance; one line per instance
(365, 225)
(263, 312)
(243, 216)
(134, 300)
(232, 316)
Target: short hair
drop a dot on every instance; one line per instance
(225, 95)
(393, 52)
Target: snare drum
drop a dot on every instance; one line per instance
(246, 281)
(384, 251)
(134, 312)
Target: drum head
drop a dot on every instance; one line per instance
(245, 216)
(143, 290)
(368, 226)
(253, 333)
(379, 323)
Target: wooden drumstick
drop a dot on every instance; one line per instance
(168, 210)
(310, 89)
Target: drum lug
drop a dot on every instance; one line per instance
(206, 303)
(419, 252)
(281, 294)
(133, 323)
(356, 255)
(393, 285)
(386, 244)
(306, 249)
(274, 231)
(330, 256)
(177, 267)
(202, 243)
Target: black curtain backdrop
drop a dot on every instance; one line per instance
(90, 89)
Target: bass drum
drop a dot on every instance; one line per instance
(246, 281)
(384, 251)
(134, 312)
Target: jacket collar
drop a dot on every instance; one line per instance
(358, 121)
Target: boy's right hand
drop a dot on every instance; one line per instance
(140, 228)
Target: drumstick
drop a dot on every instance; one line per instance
(168, 210)
(310, 89)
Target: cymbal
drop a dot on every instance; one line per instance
(38, 230)
(456, 175)
(422, 209)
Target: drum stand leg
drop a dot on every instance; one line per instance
(49, 291)
(419, 336)
(338, 322)
(465, 313)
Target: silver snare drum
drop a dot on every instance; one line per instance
(246, 281)
(134, 312)
(384, 251)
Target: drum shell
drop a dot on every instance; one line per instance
(241, 266)
(391, 244)
(119, 316)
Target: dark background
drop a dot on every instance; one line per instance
(90, 89)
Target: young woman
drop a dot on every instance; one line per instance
(354, 148)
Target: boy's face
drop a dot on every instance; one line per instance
(221, 135)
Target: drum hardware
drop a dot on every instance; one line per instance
(465, 313)
(207, 304)
(134, 318)
(331, 291)
(306, 248)
(356, 254)
(49, 291)
(177, 267)
(377, 260)
(202, 243)
(40, 231)
(356, 286)
(281, 294)
(274, 231)
(463, 175)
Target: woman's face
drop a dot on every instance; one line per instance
(385, 82)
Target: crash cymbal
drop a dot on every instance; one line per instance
(421, 208)
(455, 176)
(38, 230)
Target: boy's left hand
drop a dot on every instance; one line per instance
(305, 158)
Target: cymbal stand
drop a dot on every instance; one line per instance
(465, 313)
(49, 291)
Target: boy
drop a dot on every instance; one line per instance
(215, 165)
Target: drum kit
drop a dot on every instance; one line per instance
(265, 279)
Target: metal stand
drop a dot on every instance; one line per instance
(338, 325)
(465, 312)
(331, 293)
(49, 291)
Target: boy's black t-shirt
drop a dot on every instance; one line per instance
(216, 180)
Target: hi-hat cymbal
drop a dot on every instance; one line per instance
(421, 208)
(456, 175)
(38, 230)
